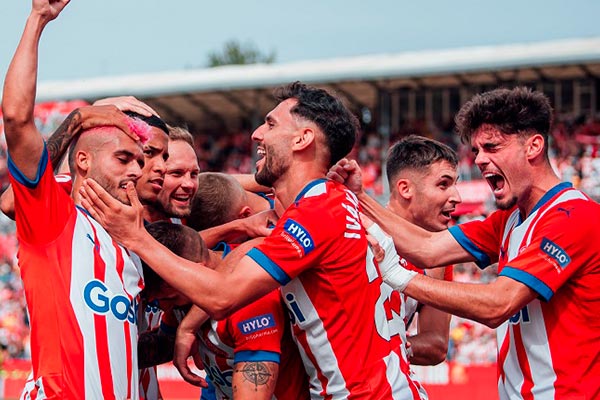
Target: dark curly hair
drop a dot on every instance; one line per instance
(519, 111)
(328, 112)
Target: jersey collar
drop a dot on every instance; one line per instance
(308, 187)
(550, 194)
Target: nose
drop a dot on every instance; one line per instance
(135, 171)
(455, 196)
(188, 182)
(160, 165)
(481, 159)
(257, 135)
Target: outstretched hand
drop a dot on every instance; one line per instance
(123, 222)
(48, 9)
(347, 172)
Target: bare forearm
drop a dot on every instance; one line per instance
(23, 140)
(490, 304)
(249, 183)
(430, 347)
(193, 320)
(199, 283)
(423, 248)
(216, 292)
(59, 141)
(21, 77)
(222, 233)
(254, 380)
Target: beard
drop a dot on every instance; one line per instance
(173, 211)
(111, 187)
(273, 168)
(506, 204)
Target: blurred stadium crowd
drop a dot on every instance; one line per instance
(575, 154)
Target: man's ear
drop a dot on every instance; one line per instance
(404, 188)
(82, 161)
(304, 138)
(245, 212)
(535, 146)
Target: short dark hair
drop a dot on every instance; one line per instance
(328, 112)
(215, 200)
(152, 120)
(181, 240)
(416, 152)
(518, 111)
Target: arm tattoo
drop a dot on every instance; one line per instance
(155, 348)
(257, 373)
(60, 140)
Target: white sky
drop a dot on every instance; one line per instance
(116, 37)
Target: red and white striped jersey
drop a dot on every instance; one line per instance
(82, 293)
(345, 325)
(149, 319)
(257, 332)
(550, 348)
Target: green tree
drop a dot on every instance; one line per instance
(236, 53)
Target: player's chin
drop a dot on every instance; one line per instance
(124, 200)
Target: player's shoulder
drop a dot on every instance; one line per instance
(324, 204)
(576, 205)
(323, 191)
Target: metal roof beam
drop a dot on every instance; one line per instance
(351, 98)
(206, 109)
(179, 118)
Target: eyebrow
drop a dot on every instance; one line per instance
(449, 177)
(124, 153)
(269, 118)
(153, 148)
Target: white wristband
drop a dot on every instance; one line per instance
(398, 277)
(378, 233)
(392, 272)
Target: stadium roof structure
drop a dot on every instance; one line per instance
(230, 98)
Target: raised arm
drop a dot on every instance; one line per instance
(24, 142)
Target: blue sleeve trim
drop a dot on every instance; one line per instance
(527, 279)
(22, 179)
(267, 198)
(261, 355)
(224, 247)
(481, 259)
(272, 269)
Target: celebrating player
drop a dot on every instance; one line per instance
(81, 286)
(317, 250)
(543, 235)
